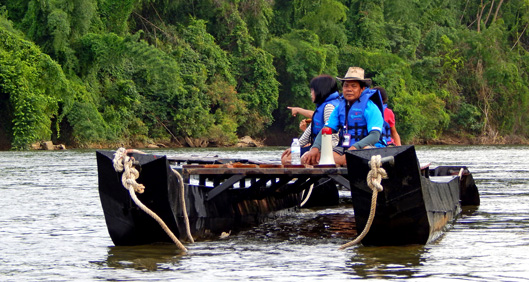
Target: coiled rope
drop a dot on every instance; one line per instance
(122, 162)
(374, 178)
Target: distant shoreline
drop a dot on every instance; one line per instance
(246, 142)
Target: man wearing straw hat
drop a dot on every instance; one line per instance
(358, 117)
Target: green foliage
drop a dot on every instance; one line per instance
(132, 80)
(227, 110)
(325, 18)
(86, 71)
(366, 25)
(257, 15)
(421, 116)
(35, 87)
(467, 119)
(249, 69)
(257, 85)
(494, 81)
(210, 83)
(115, 14)
(298, 57)
(282, 19)
(87, 123)
(55, 25)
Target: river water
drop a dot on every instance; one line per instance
(52, 228)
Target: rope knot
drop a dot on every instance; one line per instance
(119, 159)
(122, 162)
(376, 174)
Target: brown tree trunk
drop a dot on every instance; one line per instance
(480, 15)
(488, 14)
(497, 10)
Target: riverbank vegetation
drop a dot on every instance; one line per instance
(207, 72)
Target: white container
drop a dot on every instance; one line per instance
(327, 156)
(295, 152)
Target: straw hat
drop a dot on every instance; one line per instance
(357, 74)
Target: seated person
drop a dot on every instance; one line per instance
(324, 92)
(389, 134)
(358, 117)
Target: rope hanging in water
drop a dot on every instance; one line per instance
(308, 195)
(122, 162)
(183, 202)
(374, 178)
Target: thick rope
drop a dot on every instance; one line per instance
(183, 202)
(374, 178)
(308, 195)
(122, 162)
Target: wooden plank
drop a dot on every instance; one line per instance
(341, 180)
(259, 171)
(261, 182)
(260, 176)
(223, 186)
(191, 159)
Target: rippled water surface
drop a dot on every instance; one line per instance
(52, 228)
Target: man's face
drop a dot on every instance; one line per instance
(352, 90)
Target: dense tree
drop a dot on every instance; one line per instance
(207, 72)
(298, 57)
(34, 91)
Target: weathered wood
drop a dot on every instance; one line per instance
(341, 180)
(414, 208)
(230, 195)
(469, 193)
(192, 159)
(225, 185)
(416, 203)
(264, 171)
(126, 223)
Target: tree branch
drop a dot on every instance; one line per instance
(523, 31)
(488, 14)
(480, 15)
(497, 10)
(464, 10)
(155, 27)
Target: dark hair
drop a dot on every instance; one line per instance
(382, 93)
(323, 85)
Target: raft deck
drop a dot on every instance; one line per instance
(235, 196)
(253, 176)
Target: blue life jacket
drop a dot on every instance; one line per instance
(356, 125)
(318, 117)
(386, 131)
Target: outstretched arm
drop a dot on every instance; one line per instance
(304, 112)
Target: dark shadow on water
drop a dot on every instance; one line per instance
(306, 226)
(469, 210)
(387, 262)
(156, 257)
(396, 262)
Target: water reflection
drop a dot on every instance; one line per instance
(398, 262)
(387, 262)
(154, 257)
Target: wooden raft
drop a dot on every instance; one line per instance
(257, 176)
